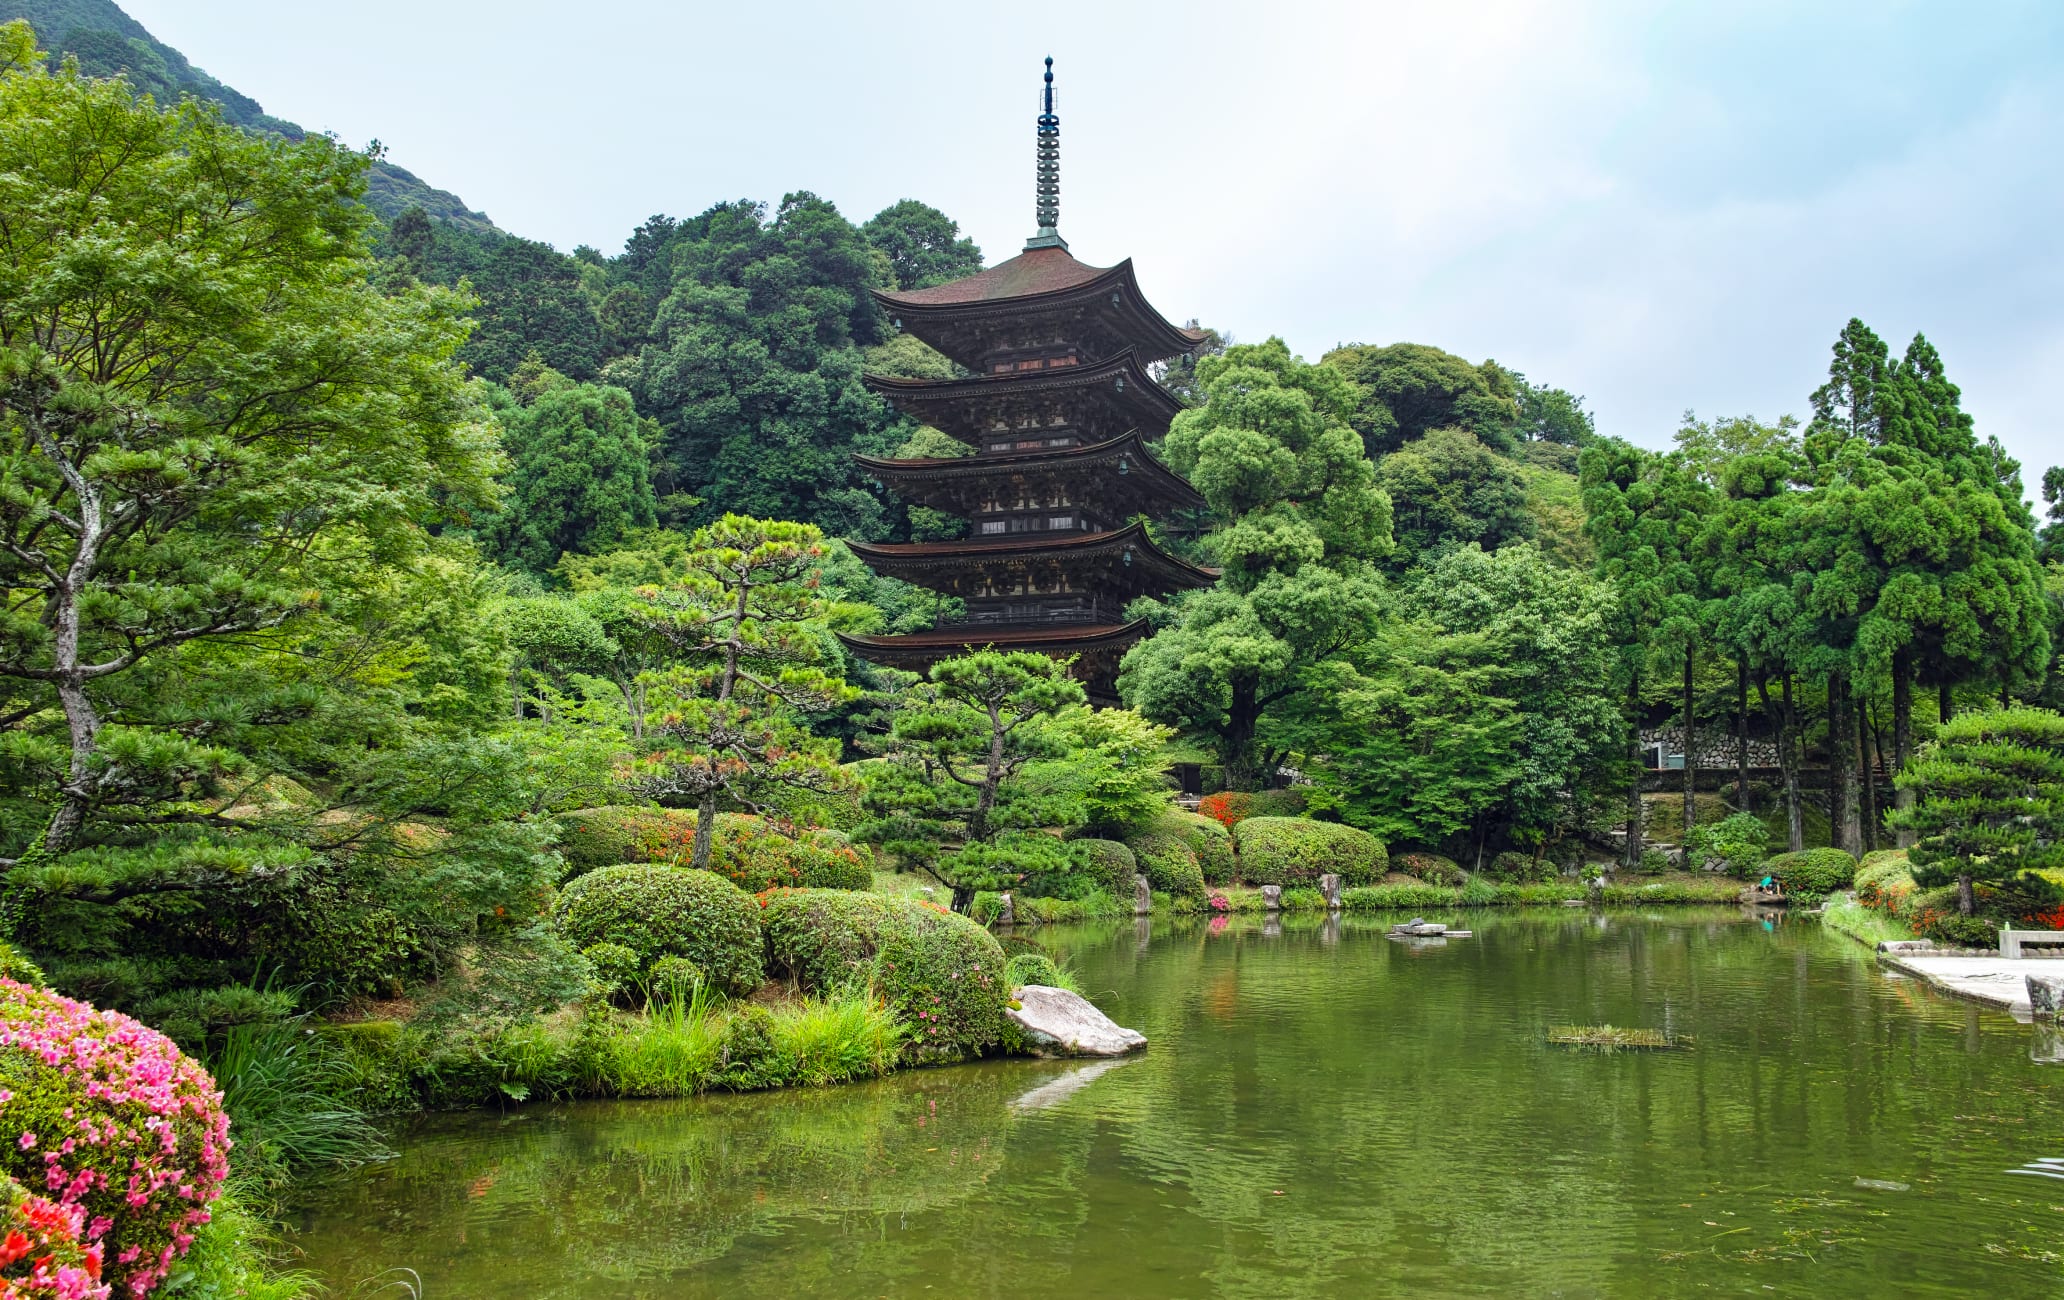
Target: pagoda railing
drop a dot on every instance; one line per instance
(1031, 612)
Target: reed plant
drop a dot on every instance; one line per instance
(849, 1034)
(283, 1087)
(668, 1050)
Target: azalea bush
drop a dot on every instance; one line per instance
(41, 1255)
(112, 1119)
(746, 850)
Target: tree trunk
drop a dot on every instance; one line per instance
(1866, 775)
(1848, 817)
(1690, 752)
(1741, 749)
(705, 831)
(1945, 702)
(1967, 902)
(1902, 735)
(1633, 845)
(82, 720)
(1237, 737)
(1788, 759)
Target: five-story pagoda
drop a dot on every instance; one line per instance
(1059, 410)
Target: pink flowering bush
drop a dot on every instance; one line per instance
(41, 1257)
(108, 1117)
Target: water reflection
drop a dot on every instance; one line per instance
(1321, 1113)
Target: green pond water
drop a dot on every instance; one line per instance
(1322, 1112)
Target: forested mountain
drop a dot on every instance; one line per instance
(106, 41)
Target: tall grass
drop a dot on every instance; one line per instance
(669, 1050)
(848, 1035)
(282, 1087)
(1867, 925)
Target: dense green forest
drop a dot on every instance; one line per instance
(387, 595)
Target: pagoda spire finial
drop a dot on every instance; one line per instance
(1048, 172)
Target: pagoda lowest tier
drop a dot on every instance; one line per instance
(1063, 405)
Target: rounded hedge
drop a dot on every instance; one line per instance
(613, 835)
(106, 1114)
(667, 912)
(1110, 864)
(1432, 868)
(1294, 851)
(943, 973)
(744, 849)
(1169, 863)
(1210, 840)
(1031, 968)
(1812, 871)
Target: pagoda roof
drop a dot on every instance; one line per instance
(1117, 551)
(957, 405)
(1037, 282)
(1146, 480)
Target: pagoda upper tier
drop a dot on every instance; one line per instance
(1041, 579)
(1043, 405)
(1040, 310)
(1093, 488)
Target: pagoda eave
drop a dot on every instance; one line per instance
(963, 319)
(1126, 557)
(1129, 479)
(1110, 395)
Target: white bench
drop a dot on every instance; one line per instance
(2013, 941)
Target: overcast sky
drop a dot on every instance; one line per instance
(1661, 207)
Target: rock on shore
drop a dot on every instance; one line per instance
(1060, 1023)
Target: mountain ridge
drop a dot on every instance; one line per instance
(106, 40)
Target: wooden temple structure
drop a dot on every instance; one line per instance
(1059, 409)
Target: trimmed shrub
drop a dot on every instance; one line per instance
(110, 1116)
(1208, 839)
(1109, 863)
(673, 979)
(1429, 867)
(616, 967)
(942, 973)
(1514, 868)
(1884, 880)
(614, 835)
(1735, 844)
(1294, 851)
(667, 912)
(43, 1258)
(1287, 802)
(1654, 862)
(1170, 865)
(1952, 928)
(1812, 872)
(1031, 968)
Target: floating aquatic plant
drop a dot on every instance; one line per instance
(1612, 1038)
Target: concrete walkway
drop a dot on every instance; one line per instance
(1995, 981)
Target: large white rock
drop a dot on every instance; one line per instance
(1060, 1023)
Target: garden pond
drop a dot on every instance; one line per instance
(1323, 1111)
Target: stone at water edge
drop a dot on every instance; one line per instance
(1271, 898)
(2045, 994)
(1006, 913)
(1329, 885)
(1060, 1023)
(1142, 896)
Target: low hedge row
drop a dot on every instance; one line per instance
(1294, 851)
(667, 912)
(1811, 873)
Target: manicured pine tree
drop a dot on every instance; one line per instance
(1990, 801)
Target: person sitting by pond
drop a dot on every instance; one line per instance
(1769, 885)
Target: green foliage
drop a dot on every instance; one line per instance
(1736, 842)
(1429, 867)
(1812, 873)
(579, 478)
(1488, 691)
(1031, 968)
(1109, 863)
(1477, 892)
(1447, 490)
(1512, 867)
(667, 911)
(673, 979)
(1654, 862)
(955, 772)
(618, 969)
(923, 245)
(942, 973)
(284, 1088)
(1409, 390)
(1991, 800)
(531, 305)
(1168, 862)
(1299, 519)
(16, 966)
(1294, 851)
(1209, 840)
